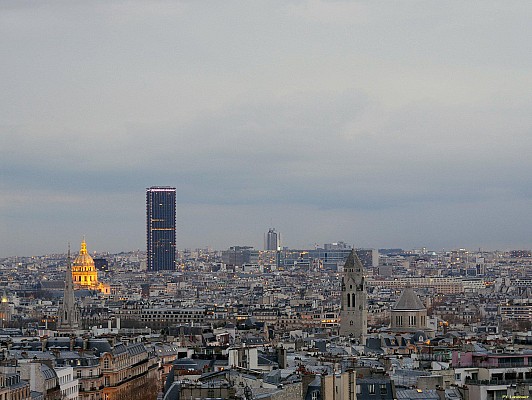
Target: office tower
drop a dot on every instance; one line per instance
(101, 264)
(353, 311)
(239, 255)
(160, 218)
(272, 240)
(337, 246)
(69, 315)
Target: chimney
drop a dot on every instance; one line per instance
(44, 343)
(281, 357)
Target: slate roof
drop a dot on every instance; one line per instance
(173, 391)
(265, 361)
(408, 301)
(314, 386)
(137, 348)
(415, 394)
(119, 348)
(100, 346)
(165, 349)
(453, 394)
(47, 372)
(186, 363)
(36, 395)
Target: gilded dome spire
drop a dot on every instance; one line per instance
(83, 247)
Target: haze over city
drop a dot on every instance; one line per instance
(376, 123)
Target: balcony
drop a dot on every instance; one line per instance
(91, 389)
(500, 364)
(506, 382)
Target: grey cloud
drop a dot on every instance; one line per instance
(384, 124)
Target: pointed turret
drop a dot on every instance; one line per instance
(409, 300)
(68, 313)
(353, 313)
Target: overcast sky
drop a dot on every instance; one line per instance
(381, 124)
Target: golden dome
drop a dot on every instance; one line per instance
(84, 273)
(83, 259)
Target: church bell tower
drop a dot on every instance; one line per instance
(353, 312)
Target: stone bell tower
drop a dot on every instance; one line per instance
(353, 312)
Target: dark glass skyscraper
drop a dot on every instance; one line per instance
(160, 218)
(272, 240)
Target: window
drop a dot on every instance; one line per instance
(384, 389)
(371, 388)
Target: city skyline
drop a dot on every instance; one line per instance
(379, 124)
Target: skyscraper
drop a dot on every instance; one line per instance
(353, 311)
(272, 240)
(160, 223)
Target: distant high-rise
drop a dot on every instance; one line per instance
(160, 219)
(272, 240)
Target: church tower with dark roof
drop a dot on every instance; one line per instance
(353, 312)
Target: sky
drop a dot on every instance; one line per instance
(378, 123)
